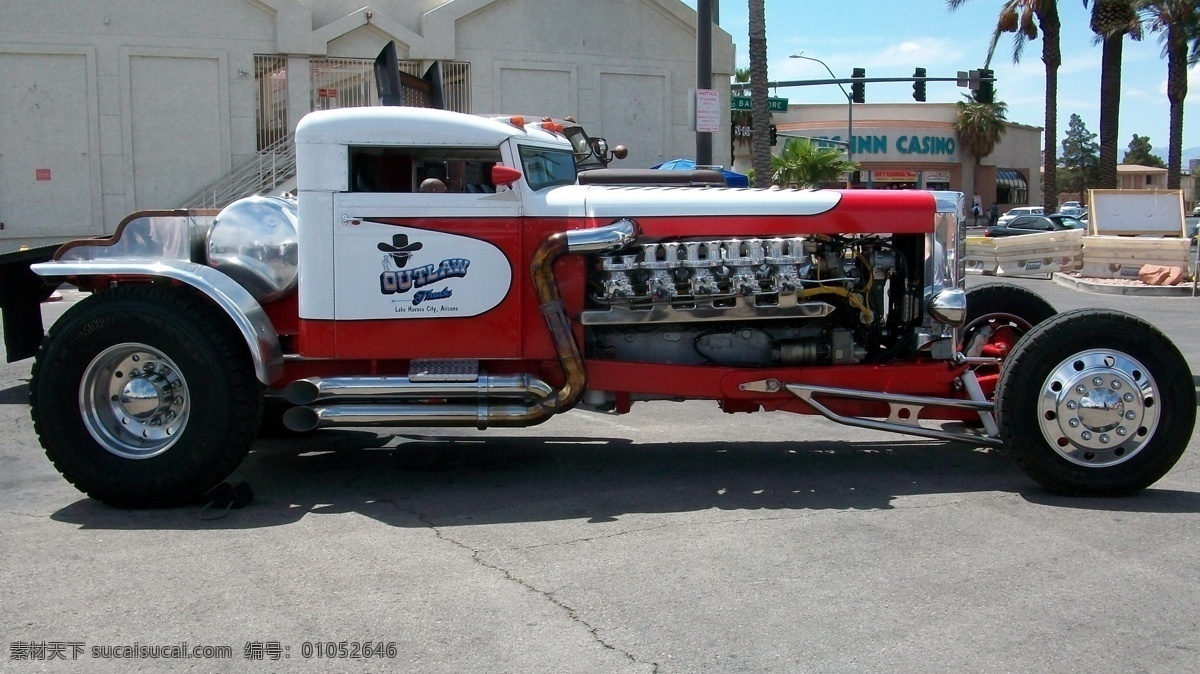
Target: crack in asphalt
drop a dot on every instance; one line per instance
(477, 557)
(572, 613)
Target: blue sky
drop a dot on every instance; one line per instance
(891, 37)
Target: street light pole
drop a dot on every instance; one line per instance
(849, 103)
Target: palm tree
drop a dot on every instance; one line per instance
(801, 163)
(979, 127)
(760, 148)
(1017, 17)
(1111, 21)
(1178, 22)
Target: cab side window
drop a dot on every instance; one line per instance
(427, 170)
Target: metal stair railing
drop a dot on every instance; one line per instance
(270, 167)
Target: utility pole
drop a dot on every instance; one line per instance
(703, 72)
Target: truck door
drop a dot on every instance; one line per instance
(426, 257)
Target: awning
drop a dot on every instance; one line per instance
(1011, 178)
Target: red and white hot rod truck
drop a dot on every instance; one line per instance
(512, 292)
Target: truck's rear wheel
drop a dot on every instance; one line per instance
(1096, 403)
(144, 396)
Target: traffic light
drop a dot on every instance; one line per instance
(774, 135)
(919, 85)
(858, 92)
(986, 93)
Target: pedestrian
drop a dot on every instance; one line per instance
(994, 215)
(976, 211)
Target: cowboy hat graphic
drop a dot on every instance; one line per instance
(400, 249)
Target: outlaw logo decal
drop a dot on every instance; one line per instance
(402, 280)
(426, 274)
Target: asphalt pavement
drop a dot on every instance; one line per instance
(673, 539)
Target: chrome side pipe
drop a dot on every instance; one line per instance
(349, 389)
(481, 416)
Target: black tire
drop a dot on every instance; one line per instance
(1001, 311)
(273, 408)
(145, 396)
(1096, 403)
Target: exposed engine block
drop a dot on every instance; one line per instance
(694, 301)
(771, 273)
(729, 268)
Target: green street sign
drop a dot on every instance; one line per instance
(775, 104)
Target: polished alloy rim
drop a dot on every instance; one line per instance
(134, 401)
(1099, 408)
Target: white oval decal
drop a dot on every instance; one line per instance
(422, 273)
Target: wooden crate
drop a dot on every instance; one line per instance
(1039, 254)
(1124, 256)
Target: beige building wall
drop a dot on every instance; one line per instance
(1137, 177)
(112, 106)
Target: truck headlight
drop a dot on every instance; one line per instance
(949, 306)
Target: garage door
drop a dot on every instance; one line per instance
(45, 146)
(177, 126)
(633, 114)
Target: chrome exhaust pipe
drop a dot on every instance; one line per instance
(304, 419)
(349, 389)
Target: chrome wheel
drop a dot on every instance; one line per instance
(1098, 408)
(1088, 421)
(134, 401)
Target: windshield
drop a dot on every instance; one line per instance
(545, 167)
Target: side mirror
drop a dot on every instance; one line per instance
(504, 175)
(600, 149)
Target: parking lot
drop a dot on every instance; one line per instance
(673, 539)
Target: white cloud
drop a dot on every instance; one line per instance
(926, 52)
(1193, 84)
(1086, 62)
(890, 57)
(1137, 93)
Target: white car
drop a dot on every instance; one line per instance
(1018, 212)
(1071, 208)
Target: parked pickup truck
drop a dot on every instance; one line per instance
(516, 294)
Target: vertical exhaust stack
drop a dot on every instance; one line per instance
(389, 81)
(387, 76)
(433, 77)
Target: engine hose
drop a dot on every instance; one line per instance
(867, 316)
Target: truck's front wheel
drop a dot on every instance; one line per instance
(1096, 403)
(144, 396)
